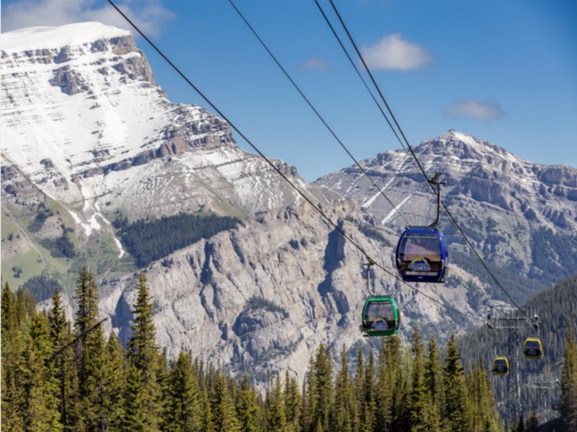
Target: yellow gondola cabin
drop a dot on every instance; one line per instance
(500, 366)
(533, 349)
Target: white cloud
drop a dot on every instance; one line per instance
(149, 15)
(315, 64)
(471, 109)
(395, 53)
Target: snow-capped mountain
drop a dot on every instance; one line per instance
(513, 210)
(81, 108)
(87, 137)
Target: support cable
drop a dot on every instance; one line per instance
(312, 107)
(337, 37)
(76, 339)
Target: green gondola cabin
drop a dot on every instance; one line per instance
(380, 316)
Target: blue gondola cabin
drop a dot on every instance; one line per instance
(422, 255)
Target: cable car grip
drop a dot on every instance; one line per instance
(436, 182)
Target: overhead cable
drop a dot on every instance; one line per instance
(309, 103)
(400, 130)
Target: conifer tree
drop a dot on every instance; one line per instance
(63, 365)
(163, 381)
(10, 326)
(484, 411)
(142, 349)
(224, 412)
(417, 396)
(456, 406)
(292, 400)
(12, 420)
(135, 418)
(11, 352)
(384, 391)
(25, 306)
(569, 384)
(422, 413)
(208, 424)
(20, 354)
(183, 413)
(324, 388)
(145, 363)
(111, 385)
(86, 296)
(473, 409)
(305, 419)
(267, 397)
(276, 421)
(359, 384)
(89, 354)
(310, 399)
(369, 411)
(397, 367)
(247, 408)
(343, 409)
(434, 376)
(39, 400)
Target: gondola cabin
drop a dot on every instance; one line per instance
(500, 366)
(422, 255)
(380, 316)
(532, 349)
(556, 404)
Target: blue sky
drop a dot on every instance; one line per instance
(504, 71)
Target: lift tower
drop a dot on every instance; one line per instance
(512, 324)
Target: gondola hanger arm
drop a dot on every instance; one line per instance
(369, 264)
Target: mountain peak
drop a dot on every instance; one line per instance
(466, 145)
(57, 37)
(455, 135)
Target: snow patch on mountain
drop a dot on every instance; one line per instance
(85, 121)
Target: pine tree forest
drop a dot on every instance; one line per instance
(61, 376)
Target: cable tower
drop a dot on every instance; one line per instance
(512, 324)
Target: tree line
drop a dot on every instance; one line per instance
(150, 240)
(59, 376)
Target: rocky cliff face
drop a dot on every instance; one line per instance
(263, 296)
(521, 215)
